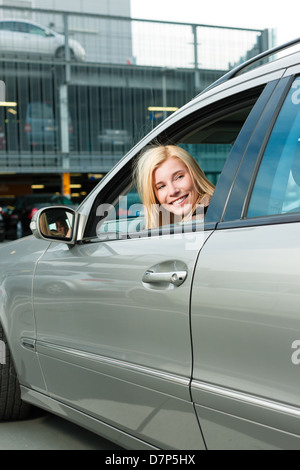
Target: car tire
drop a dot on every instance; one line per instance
(60, 54)
(12, 407)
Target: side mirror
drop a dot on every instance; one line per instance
(55, 223)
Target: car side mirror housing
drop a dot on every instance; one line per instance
(56, 223)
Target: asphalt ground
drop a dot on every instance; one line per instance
(45, 431)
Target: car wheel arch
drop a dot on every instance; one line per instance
(60, 53)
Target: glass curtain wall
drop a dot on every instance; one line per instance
(82, 107)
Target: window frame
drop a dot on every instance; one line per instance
(279, 175)
(235, 214)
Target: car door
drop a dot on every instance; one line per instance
(11, 39)
(115, 345)
(37, 40)
(112, 342)
(246, 296)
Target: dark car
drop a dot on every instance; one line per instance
(26, 206)
(11, 221)
(41, 127)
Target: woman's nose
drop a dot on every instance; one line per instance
(173, 189)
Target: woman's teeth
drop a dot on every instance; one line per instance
(178, 201)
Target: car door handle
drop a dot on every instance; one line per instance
(172, 277)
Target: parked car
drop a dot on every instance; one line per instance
(26, 206)
(11, 221)
(186, 336)
(41, 127)
(29, 38)
(114, 140)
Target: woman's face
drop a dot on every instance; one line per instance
(174, 187)
(60, 228)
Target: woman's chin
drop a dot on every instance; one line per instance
(183, 211)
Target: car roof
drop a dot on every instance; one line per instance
(241, 75)
(20, 20)
(241, 68)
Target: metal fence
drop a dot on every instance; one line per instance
(81, 90)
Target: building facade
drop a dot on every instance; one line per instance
(70, 118)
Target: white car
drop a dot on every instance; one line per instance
(27, 37)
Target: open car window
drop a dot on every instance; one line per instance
(124, 216)
(208, 136)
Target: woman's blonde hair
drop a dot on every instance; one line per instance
(145, 166)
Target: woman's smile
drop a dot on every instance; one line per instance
(179, 201)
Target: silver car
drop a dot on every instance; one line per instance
(184, 337)
(29, 38)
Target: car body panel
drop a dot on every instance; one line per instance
(18, 262)
(106, 325)
(226, 431)
(245, 319)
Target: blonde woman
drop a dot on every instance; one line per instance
(171, 185)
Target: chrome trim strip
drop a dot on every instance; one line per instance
(245, 398)
(117, 363)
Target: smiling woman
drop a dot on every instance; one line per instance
(171, 185)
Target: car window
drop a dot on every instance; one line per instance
(211, 144)
(124, 217)
(32, 29)
(277, 187)
(62, 200)
(208, 136)
(39, 110)
(9, 26)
